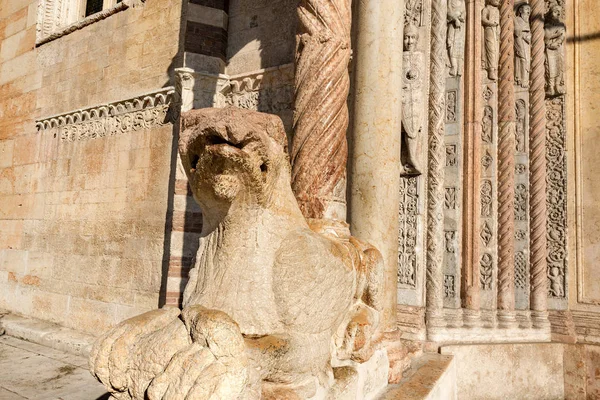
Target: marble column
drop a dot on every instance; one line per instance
(506, 168)
(473, 115)
(436, 163)
(537, 169)
(319, 147)
(375, 146)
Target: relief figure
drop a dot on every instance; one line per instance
(455, 21)
(490, 19)
(413, 106)
(522, 45)
(554, 38)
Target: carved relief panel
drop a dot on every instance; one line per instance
(411, 216)
(455, 33)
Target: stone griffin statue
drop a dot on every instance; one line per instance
(276, 307)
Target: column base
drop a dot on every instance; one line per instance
(472, 318)
(507, 319)
(540, 320)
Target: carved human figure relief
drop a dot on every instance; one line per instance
(455, 21)
(487, 125)
(520, 126)
(522, 45)
(490, 19)
(554, 38)
(556, 277)
(413, 101)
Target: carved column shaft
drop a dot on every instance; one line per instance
(537, 160)
(473, 106)
(506, 166)
(319, 147)
(375, 162)
(436, 161)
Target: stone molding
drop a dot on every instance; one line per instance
(139, 112)
(44, 38)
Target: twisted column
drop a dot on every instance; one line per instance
(319, 147)
(436, 163)
(537, 168)
(472, 150)
(506, 168)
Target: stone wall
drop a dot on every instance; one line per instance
(84, 196)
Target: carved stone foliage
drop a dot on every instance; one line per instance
(454, 42)
(486, 268)
(451, 105)
(111, 119)
(408, 216)
(520, 125)
(521, 271)
(522, 45)
(450, 198)
(414, 12)
(487, 125)
(554, 38)
(521, 195)
(490, 19)
(520, 169)
(449, 286)
(520, 234)
(556, 196)
(270, 91)
(486, 198)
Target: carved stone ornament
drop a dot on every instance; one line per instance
(451, 155)
(520, 125)
(521, 271)
(556, 201)
(414, 12)
(454, 42)
(486, 198)
(141, 112)
(413, 101)
(450, 237)
(521, 196)
(449, 286)
(486, 268)
(487, 160)
(490, 19)
(486, 234)
(450, 198)
(451, 106)
(487, 125)
(408, 219)
(554, 38)
(272, 302)
(520, 169)
(522, 45)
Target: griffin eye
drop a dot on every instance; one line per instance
(194, 160)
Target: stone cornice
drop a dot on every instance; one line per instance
(139, 112)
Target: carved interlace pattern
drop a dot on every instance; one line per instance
(556, 196)
(449, 286)
(521, 271)
(111, 119)
(408, 217)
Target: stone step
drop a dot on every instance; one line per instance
(430, 377)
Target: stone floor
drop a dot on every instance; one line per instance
(31, 371)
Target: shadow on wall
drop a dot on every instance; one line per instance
(261, 35)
